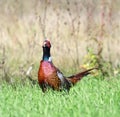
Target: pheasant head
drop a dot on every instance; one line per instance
(46, 50)
(46, 44)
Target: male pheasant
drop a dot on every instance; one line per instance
(51, 76)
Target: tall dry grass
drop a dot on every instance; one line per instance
(72, 26)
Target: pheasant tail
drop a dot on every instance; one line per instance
(75, 78)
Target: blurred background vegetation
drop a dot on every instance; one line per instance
(83, 34)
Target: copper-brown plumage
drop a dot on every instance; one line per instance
(50, 76)
(47, 76)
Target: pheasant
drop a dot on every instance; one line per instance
(51, 76)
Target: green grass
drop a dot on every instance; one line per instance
(89, 98)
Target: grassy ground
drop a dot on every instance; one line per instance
(72, 27)
(89, 98)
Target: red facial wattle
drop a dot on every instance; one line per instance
(46, 43)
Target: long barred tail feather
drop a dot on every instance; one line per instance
(75, 78)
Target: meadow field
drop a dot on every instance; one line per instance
(89, 98)
(79, 31)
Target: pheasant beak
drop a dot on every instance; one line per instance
(44, 44)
